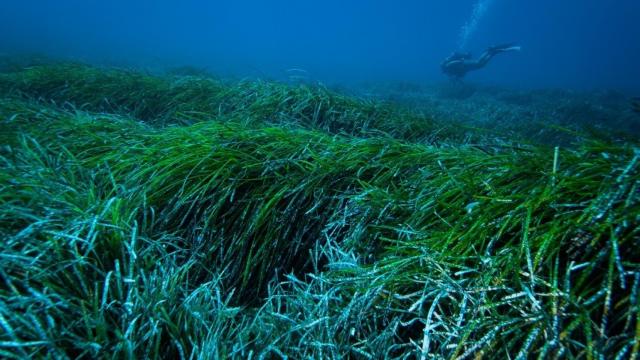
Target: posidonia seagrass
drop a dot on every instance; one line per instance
(137, 231)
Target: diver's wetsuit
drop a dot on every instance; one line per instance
(459, 64)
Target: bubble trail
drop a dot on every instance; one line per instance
(469, 28)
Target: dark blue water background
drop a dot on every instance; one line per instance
(566, 43)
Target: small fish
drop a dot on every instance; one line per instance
(635, 104)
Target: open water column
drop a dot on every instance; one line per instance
(480, 8)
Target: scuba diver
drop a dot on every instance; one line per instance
(459, 64)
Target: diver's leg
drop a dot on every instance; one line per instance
(484, 59)
(492, 51)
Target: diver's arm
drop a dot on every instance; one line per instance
(455, 68)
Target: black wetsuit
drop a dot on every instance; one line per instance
(459, 64)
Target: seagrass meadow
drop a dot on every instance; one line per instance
(186, 217)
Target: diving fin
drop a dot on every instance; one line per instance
(505, 47)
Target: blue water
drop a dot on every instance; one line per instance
(581, 44)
